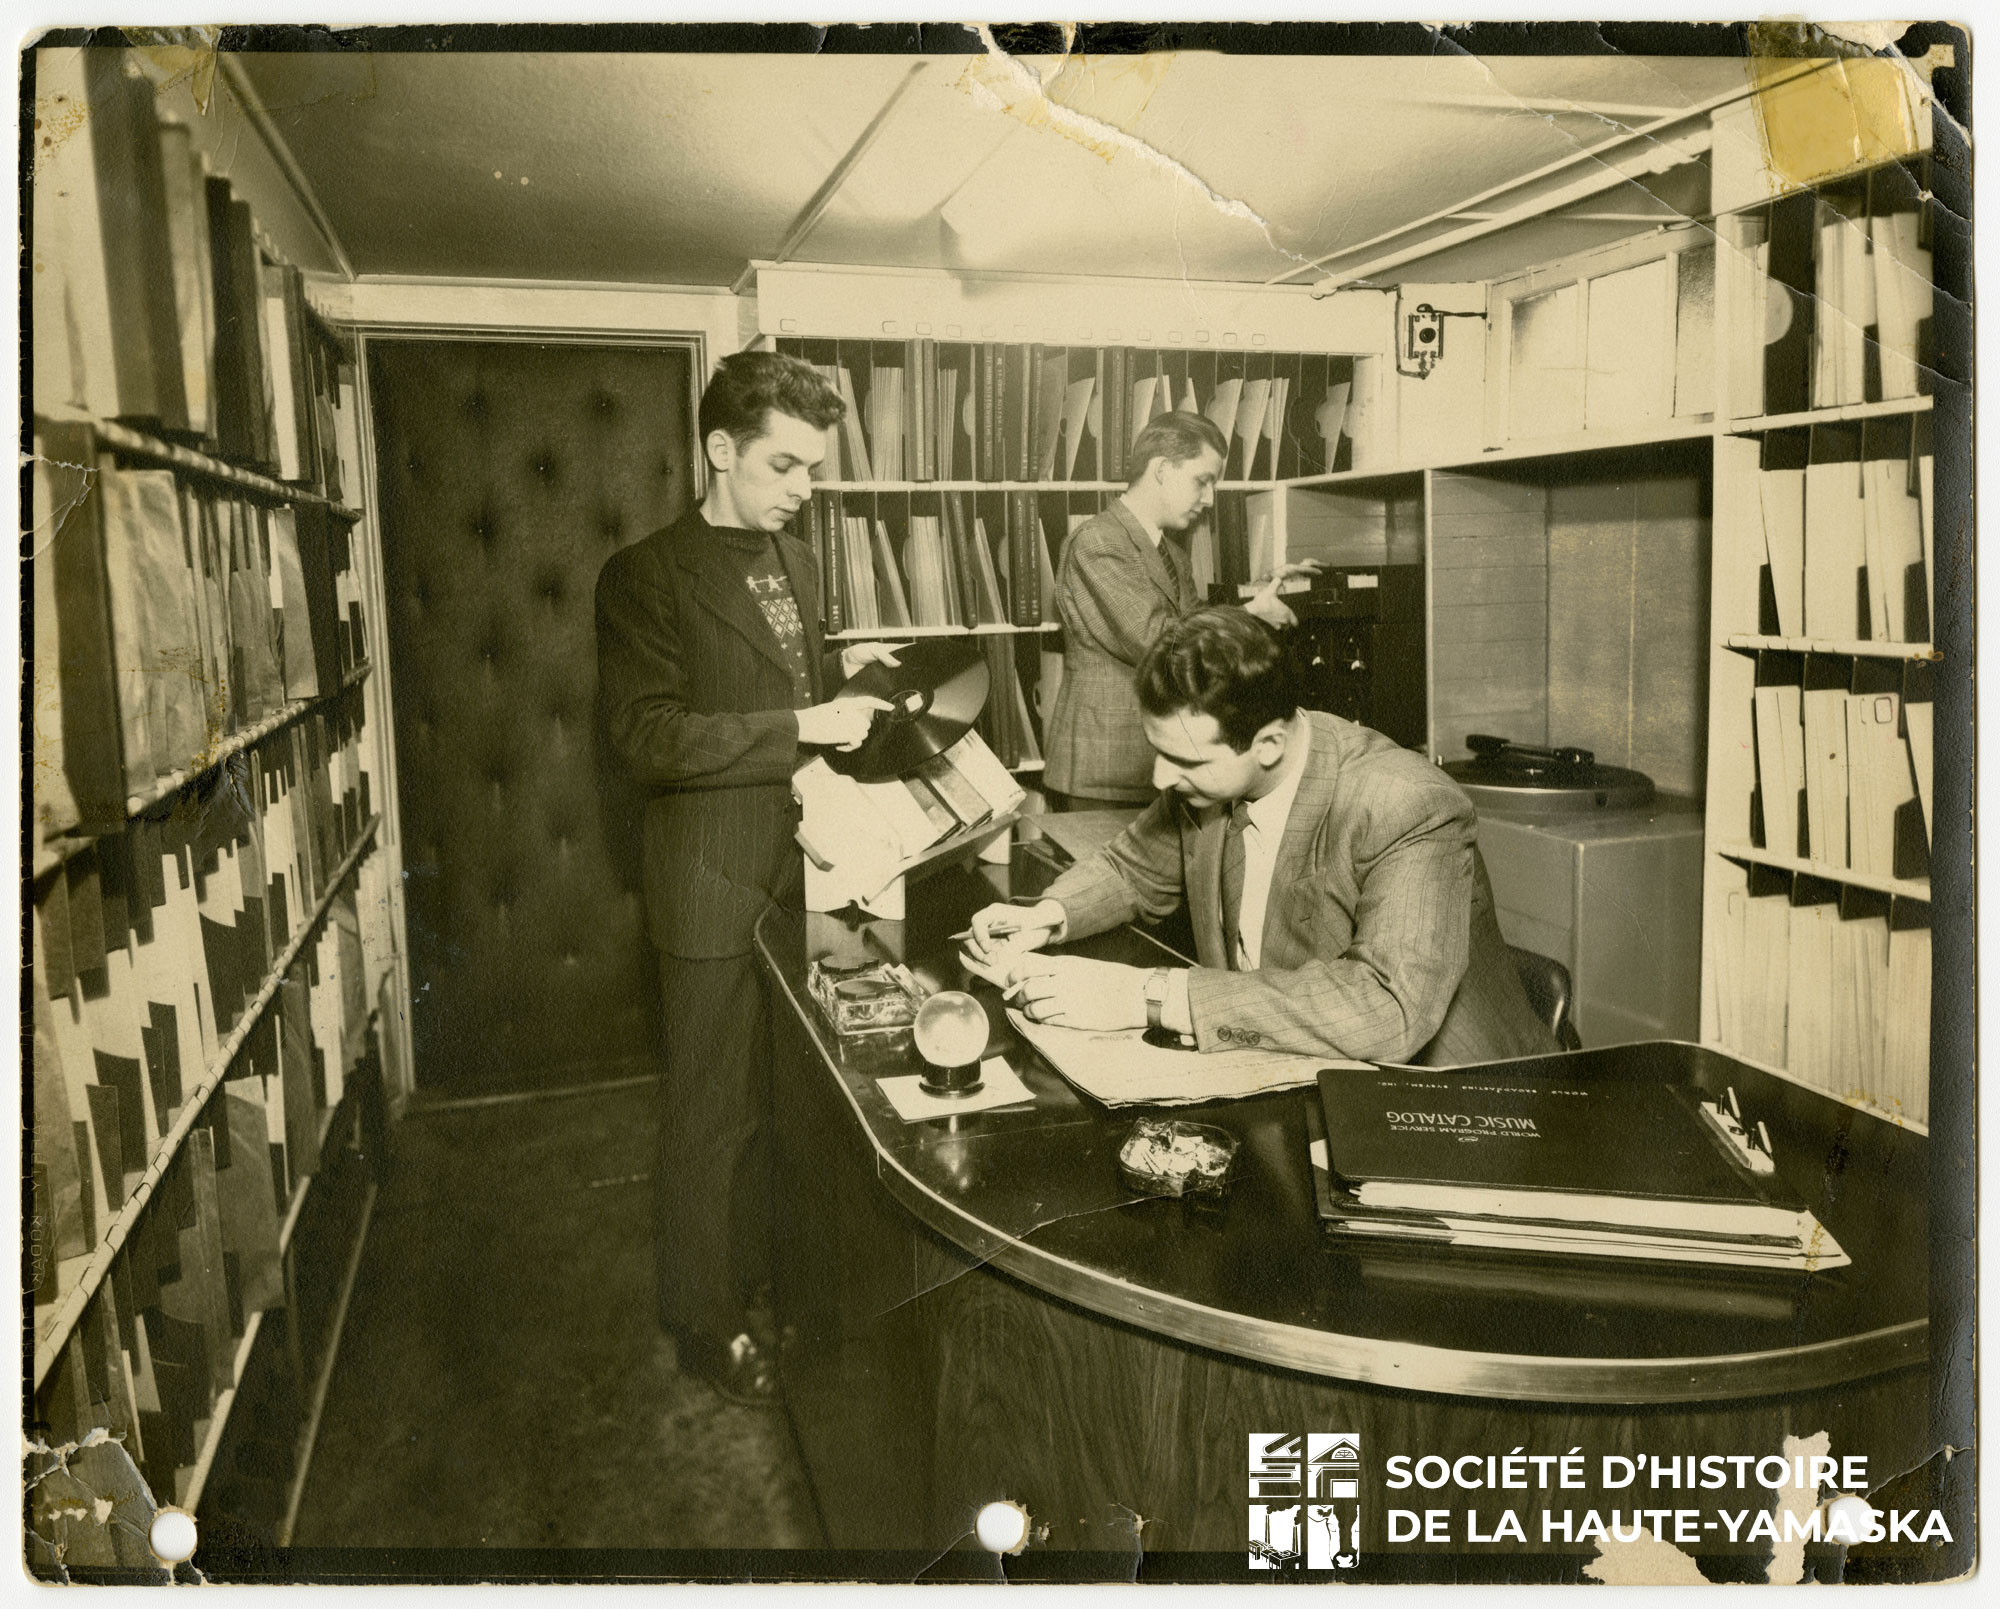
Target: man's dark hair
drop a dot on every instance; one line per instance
(1176, 437)
(1222, 662)
(747, 386)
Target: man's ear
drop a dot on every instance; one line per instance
(721, 448)
(1269, 743)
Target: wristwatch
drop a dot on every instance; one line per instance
(1156, 997)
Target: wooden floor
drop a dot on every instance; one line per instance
(502, 1382)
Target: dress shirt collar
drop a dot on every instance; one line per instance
(1153, 533)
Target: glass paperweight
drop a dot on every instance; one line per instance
(951, 1035)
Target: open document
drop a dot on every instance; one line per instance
(1120, 1068)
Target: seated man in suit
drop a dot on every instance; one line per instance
(1121, 583)
(711, 676)
(1339, 903)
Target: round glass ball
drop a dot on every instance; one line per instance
(951, 1029)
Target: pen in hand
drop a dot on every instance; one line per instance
(998, 932)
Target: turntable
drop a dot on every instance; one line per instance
(1516, 777)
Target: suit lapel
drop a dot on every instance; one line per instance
(718, 587)
(1309, 807)
(1157, 567)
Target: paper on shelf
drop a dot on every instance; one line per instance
(1142, 403)
(1121, 1069)
(1917, 723)
(1331, 418)
(1222, 408)
(846, 830)
(1274, 420)
(1254, 403)
(1076, 409)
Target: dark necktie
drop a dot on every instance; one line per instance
(1232, 878)
(1170, 556)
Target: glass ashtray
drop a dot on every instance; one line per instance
(1167, 1157)
(874, 998)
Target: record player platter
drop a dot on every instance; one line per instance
(1503, 775)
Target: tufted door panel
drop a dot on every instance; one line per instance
(509, 472)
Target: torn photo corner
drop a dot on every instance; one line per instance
(466, 463)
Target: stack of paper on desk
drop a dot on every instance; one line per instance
(1120, 1069)
(1539, 1163)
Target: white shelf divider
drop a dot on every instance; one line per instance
(52, 1333)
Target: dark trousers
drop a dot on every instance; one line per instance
(712, 1177)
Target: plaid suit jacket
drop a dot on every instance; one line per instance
(1116, 593)
(1380, 942)
(696, 706)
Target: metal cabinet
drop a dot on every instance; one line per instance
(1615, 896)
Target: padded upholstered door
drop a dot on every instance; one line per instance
(509, 472)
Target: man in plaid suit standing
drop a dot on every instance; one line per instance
(711, 677)
(1120, 584)
(1338, 900)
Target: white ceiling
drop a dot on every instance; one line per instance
(681, 168)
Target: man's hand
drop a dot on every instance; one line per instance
(1002, 931)
(857, 654)
(839, 723)
(1072, 992)
(1268, 607)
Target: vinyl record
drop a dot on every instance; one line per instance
(935, 693)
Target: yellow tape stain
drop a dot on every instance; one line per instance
(1853, 112)
(1108, 92)
(57, 117)
(191, 62)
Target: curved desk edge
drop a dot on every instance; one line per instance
(1404, 1366)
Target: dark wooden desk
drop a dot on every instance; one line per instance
(977, 1307)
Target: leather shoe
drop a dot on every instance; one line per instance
(760, 1318)
(741, 1369)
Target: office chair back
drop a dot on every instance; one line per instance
(1549, 992)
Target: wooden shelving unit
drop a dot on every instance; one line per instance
(168, 1267)
(1813, 964)
(1307, 380)
(123, 438)
(80, 1281)
(51, 852)
(1916, 888)
(1858, 648)
(1845, 414)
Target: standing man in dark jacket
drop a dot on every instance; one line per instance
(711, 676)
